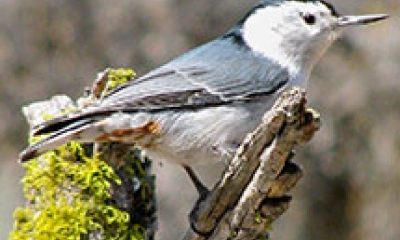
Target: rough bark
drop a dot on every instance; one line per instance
(252, 191)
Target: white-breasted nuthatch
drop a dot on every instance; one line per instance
(199, 106)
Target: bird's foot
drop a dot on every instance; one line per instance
(200, 187)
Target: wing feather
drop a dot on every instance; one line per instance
(190, 81)
(214, 74)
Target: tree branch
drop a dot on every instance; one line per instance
(251, 193)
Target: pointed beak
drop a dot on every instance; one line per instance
(360, 20)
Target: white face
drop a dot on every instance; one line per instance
(295, 34)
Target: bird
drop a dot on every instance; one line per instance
(198, 107)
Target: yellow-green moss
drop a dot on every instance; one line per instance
(68, 198)
(119, 76)
(68, 193)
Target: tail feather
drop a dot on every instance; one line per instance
(79, 126)
(66, 132)
(56, 124)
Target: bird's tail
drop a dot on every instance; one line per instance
(62, 130)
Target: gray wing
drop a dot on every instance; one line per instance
(213, 74)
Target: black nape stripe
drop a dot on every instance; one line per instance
(331, 8)
(260, 5)
(327, 4)
(236, 36)
(265, 3)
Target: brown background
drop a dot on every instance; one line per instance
(351, 188)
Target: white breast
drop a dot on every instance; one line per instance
(205, 136)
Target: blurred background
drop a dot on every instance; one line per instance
(352, 167)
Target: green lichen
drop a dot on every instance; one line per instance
(233, 234)
(119, 76)
(258, 217)
(68, 193)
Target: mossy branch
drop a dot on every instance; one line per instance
(85, 191)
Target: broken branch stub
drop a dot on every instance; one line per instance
(251, 192)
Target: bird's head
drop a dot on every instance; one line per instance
(296, 33)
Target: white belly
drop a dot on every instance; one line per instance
(204, 136)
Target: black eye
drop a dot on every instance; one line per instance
(309, 19)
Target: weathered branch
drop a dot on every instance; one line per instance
(134, 192)
(251, 193)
